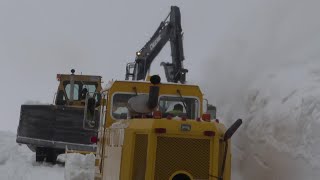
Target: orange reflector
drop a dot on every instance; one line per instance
(160, 130)
(206, 117)
(94, 139)
(209, 133)
(169, 117)
(157, 115)
(58, 77)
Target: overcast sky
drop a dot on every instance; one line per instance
(39, 39)
(224, 42)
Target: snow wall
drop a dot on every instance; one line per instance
(266, 70)
(280, 137)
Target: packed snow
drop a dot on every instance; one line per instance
(79, 167)
(18, 162)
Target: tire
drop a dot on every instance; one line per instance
(51, 156)
(40, 154)
(39, 158)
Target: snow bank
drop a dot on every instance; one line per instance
(79, 166)
(18, 162)
(280, 137)
(32, 102)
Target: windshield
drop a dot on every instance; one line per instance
(177, 106)
(80, 89)
(168, 105)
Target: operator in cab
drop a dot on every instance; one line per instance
(177, 110)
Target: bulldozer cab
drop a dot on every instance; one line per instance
(73, 90)
(80, 91)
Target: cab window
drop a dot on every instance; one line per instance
(75, 91)
(119, 105)
(177, 106)
(80, 89)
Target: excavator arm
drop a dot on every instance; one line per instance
(168, 30)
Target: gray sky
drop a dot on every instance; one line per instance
(225, 42)
(39, 39)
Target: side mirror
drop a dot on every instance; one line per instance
(232, 129)
(209, 109)
(212, 110)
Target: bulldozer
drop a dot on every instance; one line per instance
(70, 123)
(161, 130)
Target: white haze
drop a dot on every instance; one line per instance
(261, 36)
(265, 69)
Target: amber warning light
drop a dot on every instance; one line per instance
(58, 77)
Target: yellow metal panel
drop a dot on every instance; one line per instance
(140, 157)
(151, 158)
(127, 155)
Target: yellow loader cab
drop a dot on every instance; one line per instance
(73, 89)
(142, 140)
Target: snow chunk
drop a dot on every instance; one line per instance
(79, 166)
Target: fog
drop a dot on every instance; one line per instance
(259, 37)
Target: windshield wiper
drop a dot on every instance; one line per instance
(183, 101)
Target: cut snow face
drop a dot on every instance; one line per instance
(18, 162)
(280, 138)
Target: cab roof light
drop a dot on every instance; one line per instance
(160, 130)
(209, 133)
(58, 77)
(157, 115)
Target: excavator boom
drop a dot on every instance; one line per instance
(168, 30)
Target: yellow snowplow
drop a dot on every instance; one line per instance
(143, 138)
